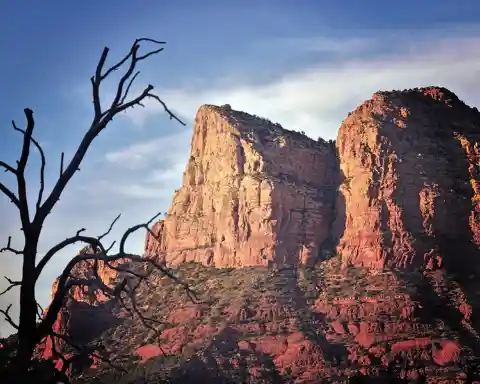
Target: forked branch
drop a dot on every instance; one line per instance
(29, 332)
(12, 284)
(8, 318)
(103, 117)
(92, 241)
(9, 247)
(66, 281)
(42, 157)
(22, 164)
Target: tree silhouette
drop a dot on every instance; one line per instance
(32, 328)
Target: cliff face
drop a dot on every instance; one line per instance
(409, 168)
(400, 190)
(252, 192)
(255, 192)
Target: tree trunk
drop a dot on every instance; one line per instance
(27, 335)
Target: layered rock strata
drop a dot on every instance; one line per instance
(252, 192)
(409, 170)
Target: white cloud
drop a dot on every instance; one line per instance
(155, 168)
(319, 44)
(162, 176)
(142, 154)
(317, 99)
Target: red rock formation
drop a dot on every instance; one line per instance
(148, 351)
(252, 192)
(409, 162)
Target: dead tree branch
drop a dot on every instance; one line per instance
(7, 192)
(66, 282)
(110, 228)
(9, 247)
(86, 351)
(29, 332)
(12, 285)
(39, 311)
(102, 118)
(125, 270)
(22, 164)
(7, 316)
(62, 157)
(42, 165)
(133, 229)
(8, 168)
(92, 241)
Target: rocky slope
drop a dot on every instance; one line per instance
(320, 324)
(252, 192)
(397, 198)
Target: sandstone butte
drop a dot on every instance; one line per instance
(252, 192)
(394, 199)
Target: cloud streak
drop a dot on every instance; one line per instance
(316, 99)
(143, 154)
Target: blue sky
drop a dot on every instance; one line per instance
(305, 64)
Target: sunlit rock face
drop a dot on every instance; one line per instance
(252, 192)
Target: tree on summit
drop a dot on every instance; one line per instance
(33, 327)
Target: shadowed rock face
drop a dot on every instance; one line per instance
(252, 192)
(87, 309)
(409, 165)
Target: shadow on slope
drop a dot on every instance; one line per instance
(448, 292)
(296, 325)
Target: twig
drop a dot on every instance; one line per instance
(135, 228)
(7, 192)
(170, 113)
(8, 168)
(128, 87)
(22, 163)
(85, 351)
(9, 247)
(39, 311)
(125, 270)
(42, 166)
(110, 247)
(62, 156)
(92, 241)
(110, 228)
(12, 285)
(102, 118)
(8, 318)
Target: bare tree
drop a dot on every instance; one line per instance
(31, 333)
